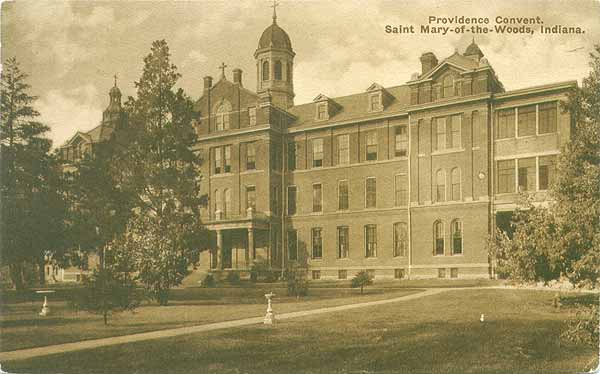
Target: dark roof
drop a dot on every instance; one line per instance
(473, 49)
(274, 37)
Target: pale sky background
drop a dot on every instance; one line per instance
(71, 50)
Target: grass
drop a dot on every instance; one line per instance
(437, 334)
(21, 326)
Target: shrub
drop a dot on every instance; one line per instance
(296, 279)
(233, 277)
(209, 281)
(361, 279)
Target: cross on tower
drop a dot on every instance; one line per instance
(274, 6)
(222, 67)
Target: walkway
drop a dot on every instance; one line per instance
(23, 354)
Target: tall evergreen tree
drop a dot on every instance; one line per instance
(163, 173)
(33, 207)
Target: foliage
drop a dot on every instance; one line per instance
(110, 289)
(33, 208)
(209, 281)
(296, 280)
(584, 328)
(233, 277)
(361, 279)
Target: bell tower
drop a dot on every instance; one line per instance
(275, 64)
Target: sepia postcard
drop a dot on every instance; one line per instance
(278, 186)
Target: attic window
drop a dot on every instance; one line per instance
(448, 86)
(322, 111)
(375, 102)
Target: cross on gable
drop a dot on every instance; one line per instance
(222, 67)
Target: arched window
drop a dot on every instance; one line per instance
(222, 116)
(438, 238)
(278, 70)
(227, 206)
(456, 231)
(448, 86)
(265, 71)
(455, 180)
(289, 72)
(440, 186)
(400, 240)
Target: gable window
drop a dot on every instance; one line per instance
(222, 118)
(317, 198)
(250, 156)
(401, 141)
(526, 174)
(292, 245)
(547, 117)
(506, 124)
(278, 71)
(371, 193)
(343, 195)
(322, 111)
(455, 181)
(251, 197)
(291, 156)
(317, 152)
(252, 116)
(438, 238)
(440, 133)
(343, 142)
(456, 232)
(448, 86)
(375, 102)
(370, 240)
(401, 192)
(400, 239)
(291, 206)
(506, 176)
(526, 123)
(546, 171)
(371, 146)
(440, 186)
(265, 70)
(317, 242)
(342, 241)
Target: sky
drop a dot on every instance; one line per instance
(71, 50)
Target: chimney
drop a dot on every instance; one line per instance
(207, 83)
(428, 62)
(237, 76)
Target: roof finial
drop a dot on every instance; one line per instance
(274, 6)
(115, 76)
(473, 40)
(222, 67)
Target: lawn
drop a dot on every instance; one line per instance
(22, 327)
(436, 334)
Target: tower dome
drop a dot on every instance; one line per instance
(473, 51)
(274, 37)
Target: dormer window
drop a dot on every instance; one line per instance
(322, 111)
(375, 102)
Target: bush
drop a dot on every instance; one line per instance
(361, 279)
(233, 277)
(261, 269)
(296, 279)
(209, 281)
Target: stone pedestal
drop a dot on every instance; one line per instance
(45, 309)
(270, 316)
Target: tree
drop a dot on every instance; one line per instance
(33, 207)
(297, 283)
(162, 172)
(361, 279)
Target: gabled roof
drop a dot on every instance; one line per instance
(320, 97)
(457, 61)
(95, 135)
(375, 87)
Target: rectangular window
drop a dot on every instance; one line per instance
(371, 193)
(343, 241)
(526, 174)
(317, 152)
(547, 117)
(342, 274)
(400, 239)
(343, 143)
(371, 146)
(343, 195)
(401, 141)
(371, 240)
(227, 163)
(375, 102)
(317, 198)
(475, 128)
(316, 274)
(252, 116)
(291, 203)
(317, 243)
(250, 156)
(453, 272)
(292, 245)
(251, 197)
(275, 156)
(506, 124)
(218, 160)
(399, 273)
(441, 273)
(506, 176)
(547, 169)
(291, 156)
(526, 124)
(401, 189)
(440, 133)
(275, 199)
(455, 131)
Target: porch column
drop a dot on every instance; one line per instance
(219, 250)
(250, 251)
